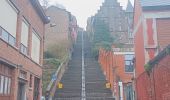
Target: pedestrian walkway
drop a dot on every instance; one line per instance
(83, 80)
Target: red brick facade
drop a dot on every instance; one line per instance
(113, 66)
(151, 31)
(155, 84)
(22, 65)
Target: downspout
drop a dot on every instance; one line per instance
(154, 84)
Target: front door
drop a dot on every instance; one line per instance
(129, 92)
(21, 91)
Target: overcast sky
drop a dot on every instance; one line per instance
(83, 9)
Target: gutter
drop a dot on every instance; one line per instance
(40, 11)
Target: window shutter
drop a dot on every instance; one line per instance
(35, 47)
(24, 33)
(8, 19)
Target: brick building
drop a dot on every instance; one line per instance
(117, 65)
(21, 49)
(64, 32)
(151, 29)
(154, 83)
(119, 21)
(129, 13)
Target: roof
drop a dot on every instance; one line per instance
(155, 2)
(129, 7)
(40, 11)
(160, 56)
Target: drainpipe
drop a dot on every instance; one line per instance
(134, 81)
(121, 90)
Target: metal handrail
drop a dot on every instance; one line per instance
(53, 82)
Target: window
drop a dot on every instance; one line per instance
(35, 52)
(12, 40)
(8, 22)
(5, 80)
(4, 35)
(9, 85)
(8, 37)
(24, 37)
(23, 49)
(129, 63)
(5, 85)
(22, 74)
(1, 84)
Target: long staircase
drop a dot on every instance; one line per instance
(72, 79)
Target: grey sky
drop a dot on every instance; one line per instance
(83, 9)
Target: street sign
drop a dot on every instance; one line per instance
(60, 85)
(108, 85)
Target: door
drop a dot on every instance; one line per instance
(36, 88)
(129, 92)
(21, 91)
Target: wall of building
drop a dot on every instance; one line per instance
(117, 20)
(113, 66)
(60, 38)
(163, 32)
(154, 85)
(151, 30)
(138, 39)
(13, 54)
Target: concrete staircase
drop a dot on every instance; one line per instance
(94, 78)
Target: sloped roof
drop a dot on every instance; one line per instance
(159, 57)
(150, 3)
(129, 7)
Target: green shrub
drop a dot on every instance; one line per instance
(52, 65)
(102, 37)
(47, 54)
(148, 67)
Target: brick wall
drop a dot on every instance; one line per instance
(58, 39)
(13, 54)
(113, 67)
(155, 85)
(163, 32)
(138, 39)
